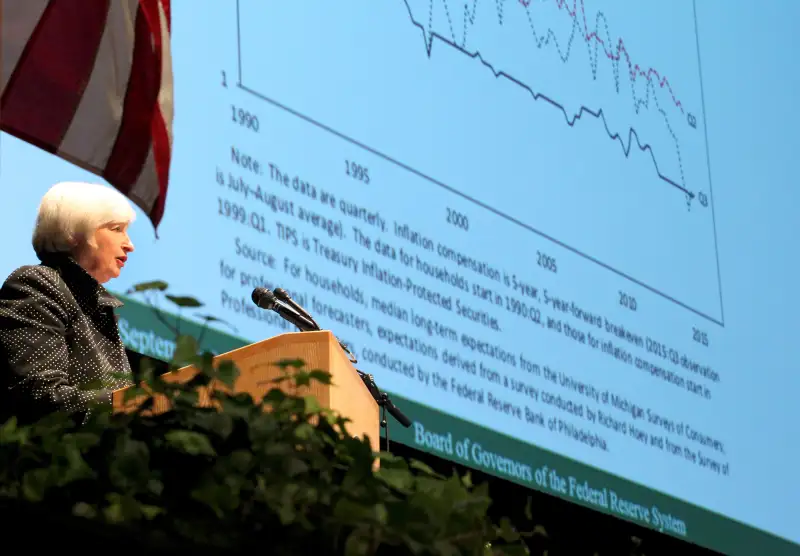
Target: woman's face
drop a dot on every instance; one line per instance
(105, 261)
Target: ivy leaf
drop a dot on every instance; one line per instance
(82, 509)
(135, 392)
(240, 461)
(381, 515)
(302, 378)
(294, 363)
(187, 399)
(214, 422)
(304, 431)
(82, 440)
(145, 406)
(212, 318)
(186, 349)
(506, 531)
(278, 449)
(190, 442)
(199, 380)
(227, 373)
(239, 406)
(399, 479)
(215, 496)
(312, 406)
(113, 512)
(76, 469)
(391, 461)
(11, 433)
(130, 464)
(121, 508)
(155, 486)
(158, 285)
(423, 467)
(295, 466)
(357, 544)
(274, 397)
(184, 301)
(34, 484)
(323, 377)
(150, 512)
(512, 550)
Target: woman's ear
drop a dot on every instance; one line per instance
(82, 240)
(78, 245)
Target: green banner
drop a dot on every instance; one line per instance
(492, 452)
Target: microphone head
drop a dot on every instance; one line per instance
(263, 297)
(281, 294)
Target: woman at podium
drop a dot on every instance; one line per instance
(60, 348)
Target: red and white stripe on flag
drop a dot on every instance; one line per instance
(91, 82)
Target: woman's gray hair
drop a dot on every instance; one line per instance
(70, 213)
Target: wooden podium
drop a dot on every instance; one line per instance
(347, 394)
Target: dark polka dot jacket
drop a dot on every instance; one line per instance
(60, 347)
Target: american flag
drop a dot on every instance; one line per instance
(91, 82)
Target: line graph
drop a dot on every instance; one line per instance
(627, 141)
(634, 69)
(640, 103)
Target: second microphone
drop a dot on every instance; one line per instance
(266, 299)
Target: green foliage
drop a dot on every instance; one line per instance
(276, 472)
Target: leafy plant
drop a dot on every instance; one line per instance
(278, 472)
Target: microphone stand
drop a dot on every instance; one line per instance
(385, 403)
(381, 398)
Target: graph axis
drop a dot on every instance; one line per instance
(708, 164)
(355, 142)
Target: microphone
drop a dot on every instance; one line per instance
(284, 296)
(265, 299)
